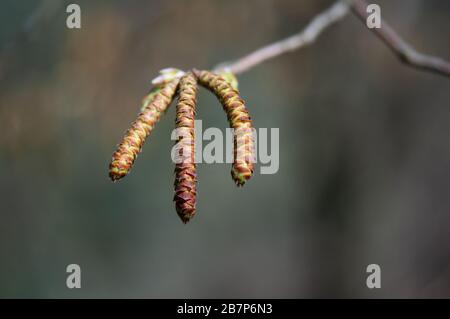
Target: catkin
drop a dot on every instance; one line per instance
(154, 105)
(239, 120)
(185, 168)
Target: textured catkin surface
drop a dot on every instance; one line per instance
(239, 120)
(185, 169)
(154, 106)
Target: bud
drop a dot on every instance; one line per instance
(229, 77)
(167, 75)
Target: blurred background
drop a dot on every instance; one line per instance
(364, 155)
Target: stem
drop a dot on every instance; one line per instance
(405, 52)
(333, 14)
(308, 35)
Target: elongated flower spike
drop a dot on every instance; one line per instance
(154, 105)
(239, 120)
(185, 168)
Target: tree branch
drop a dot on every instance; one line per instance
(336, 12)
(406, 53)
(308, 35)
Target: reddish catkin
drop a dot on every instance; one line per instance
(127, 151)
(239, 120)
(185, 168)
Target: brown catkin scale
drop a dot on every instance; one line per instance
(127, 151)
(185, 169)
(239, 120)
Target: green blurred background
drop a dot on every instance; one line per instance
(364, 155)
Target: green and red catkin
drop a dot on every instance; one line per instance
(170, 82)
(154, 105)
(185, 168)
(239, 120)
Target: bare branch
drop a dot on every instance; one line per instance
(400, 47)
(336, 12)
(308, 35)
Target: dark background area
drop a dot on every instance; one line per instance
(364, 155)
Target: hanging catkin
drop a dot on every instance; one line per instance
(154, 105)
(239, 120)
(185, 168)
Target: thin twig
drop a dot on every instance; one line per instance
(336, 12)
(308, 35)
(400, 47)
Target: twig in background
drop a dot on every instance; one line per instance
(307, 36)
(405, 52)
(326, 19)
